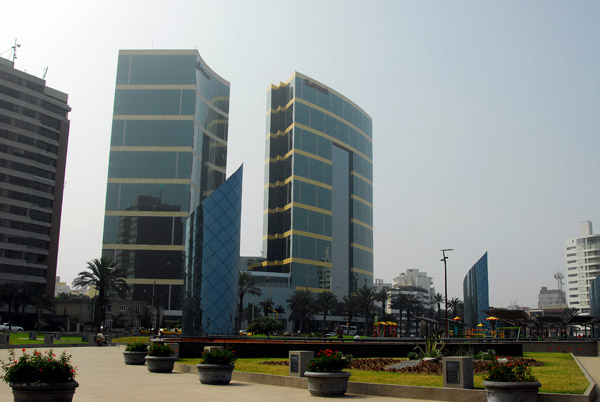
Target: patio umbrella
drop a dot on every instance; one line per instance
(480, 325)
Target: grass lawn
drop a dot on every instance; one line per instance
(559, 374)
(131, 339)
(22, 338)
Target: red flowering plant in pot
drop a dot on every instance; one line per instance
(42, 373)
(217, 366)
(325, 373)
(508, 379)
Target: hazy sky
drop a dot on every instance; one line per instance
(486, 115)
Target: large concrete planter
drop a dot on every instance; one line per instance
(327, 384)
(160, 364)
(138, 358)
(60, 392)
(215, 374)
(511, 391)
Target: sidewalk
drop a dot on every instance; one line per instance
(103, 376)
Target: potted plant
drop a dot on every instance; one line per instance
(325, 373)
(160, 358)
(135, 353)
(217, 366)
(509, 380)
(40, 376)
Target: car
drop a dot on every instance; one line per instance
(170, 331)
(10, 327)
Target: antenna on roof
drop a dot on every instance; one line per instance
(45, 72)
(14, 50)
(559, 278)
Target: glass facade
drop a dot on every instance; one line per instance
(595, 298)
(476, 293)
(318, 188)
(34, 132)
(213, 246)
(168, 153)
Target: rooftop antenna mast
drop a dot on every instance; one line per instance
(14, 50)
(559, 279)
(45, 72)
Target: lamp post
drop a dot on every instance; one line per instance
(444, 258)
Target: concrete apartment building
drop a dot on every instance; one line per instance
(582, 255)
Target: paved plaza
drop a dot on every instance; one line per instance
(103, 376)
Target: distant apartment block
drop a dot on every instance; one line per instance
(582, 256)
(34, 132)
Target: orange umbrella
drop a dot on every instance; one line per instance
(457, 318)
(492, 318)
(480, 325)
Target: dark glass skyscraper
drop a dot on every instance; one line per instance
(34, 133)
(476, 293)
(168, 153)
(318, 212)
(212, 265)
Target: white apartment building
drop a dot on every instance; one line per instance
(583, 265)
(413, 283)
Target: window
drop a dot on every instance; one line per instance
(136, 310)
(109, 308)
(108, 324)
(122, 308)
(137, 324)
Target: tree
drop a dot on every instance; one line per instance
(410, 302)
(365, 298)
(438, 298)
(456, 305)
(246, 284)
(399, 303)
(264, 325)
(302, 306)
(104, 277)
(326, 301)
(382, 297)
(266, 305)
(349, 307)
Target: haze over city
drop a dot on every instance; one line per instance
(485, 116)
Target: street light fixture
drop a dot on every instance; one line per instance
(444, 258)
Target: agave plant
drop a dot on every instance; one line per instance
(434, 347)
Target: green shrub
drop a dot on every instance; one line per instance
(137, 346)
(160, 350)
(219, 356)
(329, 361)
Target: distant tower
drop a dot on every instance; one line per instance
(559, 279)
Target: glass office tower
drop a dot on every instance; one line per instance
(168, 153)
(213, 261)
(318, 210)
(476, 293)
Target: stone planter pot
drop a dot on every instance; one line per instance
(215, 374)
(134, 357)
(60, 392)
(327, 384)
(160, 364)
(511, 391)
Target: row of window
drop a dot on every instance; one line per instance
(133, 196)
(144, 230)
(24, 226)
(154, 102)
(20, 270)
(24, 241)
(21, 81)
(31, 258)
(333, 103)
(31, 156)
(19, 181)
(362, 259)
(312, 169)
(16, 195)
(25, 139)
(13, 122)
(122, 309)
(309, 194)
(362, 212)
(25, 168)
(149, 164)
(32, 213)
(156, 133)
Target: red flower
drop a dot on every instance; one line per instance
(23, 350)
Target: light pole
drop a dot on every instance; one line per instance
(444, 258)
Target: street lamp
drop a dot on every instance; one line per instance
(444, 258)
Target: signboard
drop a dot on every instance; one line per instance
(294, 363)
(453, 372)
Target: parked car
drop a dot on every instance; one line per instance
(10, 327)
(170, 331)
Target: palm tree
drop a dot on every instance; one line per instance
(104, 277)
(246, 284)
(438, 298)
(382, 297)
(266, 305)
(301, 305)
(365, 297)
(399, 303)
(410, 302)
(325, 302)
(349, 306)
(456, 305)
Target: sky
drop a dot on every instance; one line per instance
(486, 116)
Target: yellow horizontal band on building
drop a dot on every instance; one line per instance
(296, 232)
(361, 271)
(148, 247)
(155, 86)
(212, 166)
(360, 246)
(360, 176)
(209, 134)
(281, 108)
(314, 290)
(149, 181)
(150, 281)
(152, 117)
(298, 205)
(280, 133)
(299, 261)
(152, 149)
(312, 156)
(357, 198)
(365, 225)
(298, 178)
(332, 139)
(335, 116)
(148, 213)
(158, 52)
